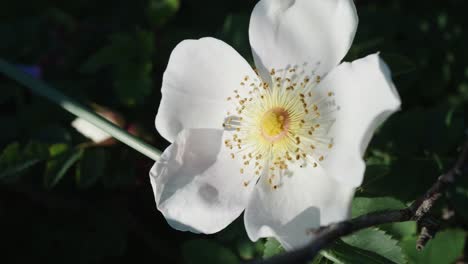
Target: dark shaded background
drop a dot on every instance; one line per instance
(72, 203)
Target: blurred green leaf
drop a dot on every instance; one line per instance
(91, 167)
(160, 11)
(62, 159)
(320, 259)
(420, 145)
(128, 57)
(459, 195)
(377, 241)
(208, 252)
(272, 247)
(62, 18)
(57, 149)
(235, 32)
(248, 250)
(14, 160)
(53, 134)
(444, 248)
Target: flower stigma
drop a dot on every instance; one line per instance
(278, 122)
(275, 124)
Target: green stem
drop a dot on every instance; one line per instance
(40, 88)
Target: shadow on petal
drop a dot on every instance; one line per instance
(197, 184)
(295, 233)
(190, 159)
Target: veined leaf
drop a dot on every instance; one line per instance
(363, 206)
(342, 253)
(379, 242)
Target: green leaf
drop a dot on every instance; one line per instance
(58, 149)
(128, 56)
(458, 194)
(459, 199)
(363, 206)
(342, 253)
(417, 153)
(272, 247)
(14, 160)
(444, 248)
(160, 11)
(248, 249)
(207, 252)
(377, 241)
(235, 32)
(91, 167)
(63, 158)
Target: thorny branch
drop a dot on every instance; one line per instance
(417, 211)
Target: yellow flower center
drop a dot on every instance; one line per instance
(279, 122)
(275, 124)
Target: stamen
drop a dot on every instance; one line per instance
(279, 121)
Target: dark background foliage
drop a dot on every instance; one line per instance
(62, 201)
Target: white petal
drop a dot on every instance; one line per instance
(305, 200)
(197, 185)
(366, 97)
(89, 130)
(199, 77)
(294, 32)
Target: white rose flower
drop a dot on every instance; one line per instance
(284, 143)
